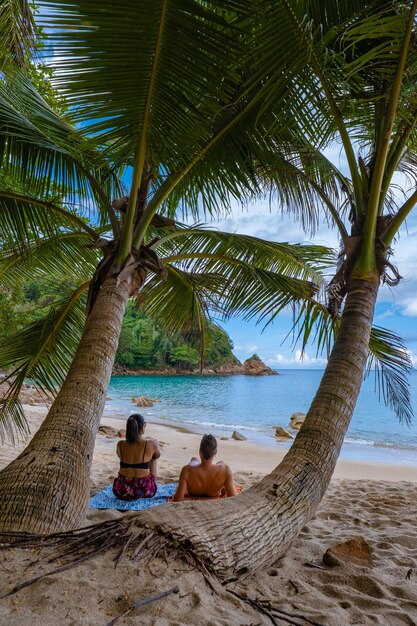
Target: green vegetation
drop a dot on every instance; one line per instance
(142, 344)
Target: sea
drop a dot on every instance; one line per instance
(254, 405)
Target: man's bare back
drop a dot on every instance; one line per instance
(205, 478)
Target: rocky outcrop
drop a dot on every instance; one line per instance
(229, 367)
(238, 436)
(119, 370)
(143, 401)
(281, 433)
(355, 551)
(251, 367)
(28, 394)
(297, 420)
(256, 367)
(110, 433)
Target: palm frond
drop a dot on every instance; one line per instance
(314, 325)
(12, 419)
(17, 31)
(42, 153)
(232, 275)
(41, 352)
(388, 356)
(392, 363)
(179, 303)
(303, 261)
(24, 218)
(63, 254)
(105, 77)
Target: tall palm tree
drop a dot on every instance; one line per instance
(155, 127)
(346, 73)
(300, 75)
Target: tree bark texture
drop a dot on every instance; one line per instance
(46, 488)
(253, 530)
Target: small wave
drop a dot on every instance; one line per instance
(380, 444)
(210, 424)
(399, 446)
(360, 442)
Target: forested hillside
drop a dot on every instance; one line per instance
(145, 345)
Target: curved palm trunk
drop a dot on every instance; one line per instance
(253, 530)
(46, 487)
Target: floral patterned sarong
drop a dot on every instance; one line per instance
(125, 488)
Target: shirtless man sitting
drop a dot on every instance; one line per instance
(205, 478)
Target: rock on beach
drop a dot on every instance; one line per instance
(297, 420)
(282, 433)
(355, 551)
(238, 436)
(142, 401)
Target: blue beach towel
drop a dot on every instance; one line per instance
(106, 500)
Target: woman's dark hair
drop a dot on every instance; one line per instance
(208, 446)
(134, 426)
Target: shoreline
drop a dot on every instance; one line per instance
(247, 456)
(351, 452)
(249, 460)
(254, 405)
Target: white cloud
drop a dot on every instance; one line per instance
(299, 359)
(265, 220)
(385, 314)
(413, 358)
(410, 307)
(245, 348)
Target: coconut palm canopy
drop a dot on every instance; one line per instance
(61, 174)
(193, 106)
(147, 127)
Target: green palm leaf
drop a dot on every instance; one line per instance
(17, 31)
(107, 76)
(179, 303)
(392, 363)
(24, 218)
(303, 261)
(231, 275)
(63, 254)
(388, 357)
(43, 153)
(41, 352)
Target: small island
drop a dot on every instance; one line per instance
(256, 367)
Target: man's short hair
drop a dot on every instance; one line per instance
(208, 446)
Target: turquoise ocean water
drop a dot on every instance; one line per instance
(253, 405)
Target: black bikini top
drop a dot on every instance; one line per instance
(143, 465)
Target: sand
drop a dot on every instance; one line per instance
(375, 501)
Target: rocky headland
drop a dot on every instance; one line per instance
(253, 366)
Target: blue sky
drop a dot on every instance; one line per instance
(396, 307)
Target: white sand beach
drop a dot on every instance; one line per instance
(375, 501)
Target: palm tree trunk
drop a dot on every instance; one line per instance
(46, 487)
(253, 530)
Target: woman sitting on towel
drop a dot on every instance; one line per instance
(137, 474)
